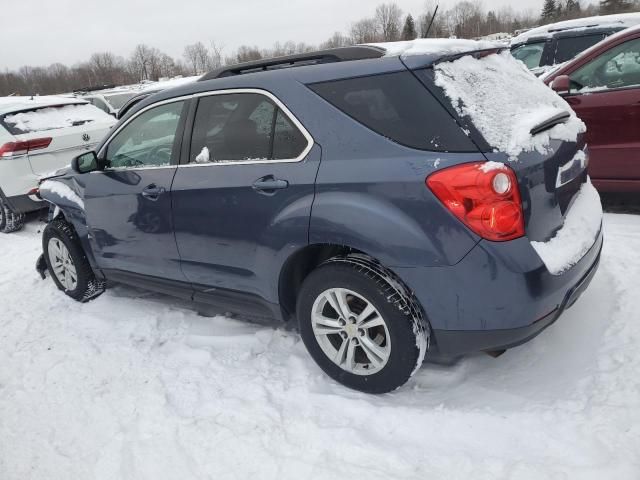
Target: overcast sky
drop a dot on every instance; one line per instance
(41, 32)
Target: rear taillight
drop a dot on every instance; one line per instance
(12, 149)
(484, 196)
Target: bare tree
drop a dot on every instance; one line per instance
(140, 62)
(191, 58)
(365, 31)
(216, 55)
(246, 54)
(337, 40)
(197, 57)
(389, 18)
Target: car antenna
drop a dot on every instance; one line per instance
(435, 12)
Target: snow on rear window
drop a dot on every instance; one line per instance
(505, 101)
(51, 118)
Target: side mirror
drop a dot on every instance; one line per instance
(85, 163)
(561, 85)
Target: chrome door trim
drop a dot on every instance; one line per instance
(229, 91)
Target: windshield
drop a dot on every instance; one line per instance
(530, 54)
(118, 100)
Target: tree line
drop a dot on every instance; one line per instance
(387, 23)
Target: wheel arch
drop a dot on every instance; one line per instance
(302, 262)
(67, 202)
(296, 268)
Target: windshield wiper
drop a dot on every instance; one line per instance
(550, 123)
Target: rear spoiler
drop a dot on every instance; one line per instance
(473, 53)
(551, 122)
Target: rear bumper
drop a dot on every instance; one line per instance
(16, 176)
(25, 203)
(499, 296)
(451, 342)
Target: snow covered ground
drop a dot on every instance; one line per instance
(138, 386)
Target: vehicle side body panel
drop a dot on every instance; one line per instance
(220, 241)
(612, 117)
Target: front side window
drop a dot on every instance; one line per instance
(148, 140)
(243, 127)
(618, 67)
(567, 48)
(529, 54)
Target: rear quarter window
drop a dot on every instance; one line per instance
(567, 48)
(399, 107)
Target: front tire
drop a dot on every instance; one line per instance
(361, 325)
(67, 263)
(10, 221)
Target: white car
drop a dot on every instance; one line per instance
(109, 101)
(39, 135)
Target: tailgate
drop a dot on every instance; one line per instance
(548, 183)
(517, 120)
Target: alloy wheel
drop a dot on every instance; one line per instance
(62, 264)
(350, 331)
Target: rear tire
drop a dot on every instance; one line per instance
(361, 325)
(67, 263)
(10, 221)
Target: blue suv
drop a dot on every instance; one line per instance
(343, 190)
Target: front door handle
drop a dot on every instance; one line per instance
(269, 184)
(152, 192)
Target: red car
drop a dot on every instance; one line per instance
(602, 85)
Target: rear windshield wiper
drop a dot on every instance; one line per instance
(550, 123)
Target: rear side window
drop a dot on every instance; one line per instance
(243, 127)
(567, 48)
(52, 118)
(399, 107)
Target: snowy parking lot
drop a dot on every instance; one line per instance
(139, 386)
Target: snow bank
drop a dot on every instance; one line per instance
(576, 237)
(623, 19)
(62, 191)
(422, 46)
(57, 117)
(138, 386)
(505, 101)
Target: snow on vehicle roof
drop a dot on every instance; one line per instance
(17, 103)
(170, 83)
(53, 118)
(622, 19)
(141, 87)
(435, 46)
(506, 102)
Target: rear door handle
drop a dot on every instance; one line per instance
(269, 184)
(152, 192)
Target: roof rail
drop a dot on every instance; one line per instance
(332, 55)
